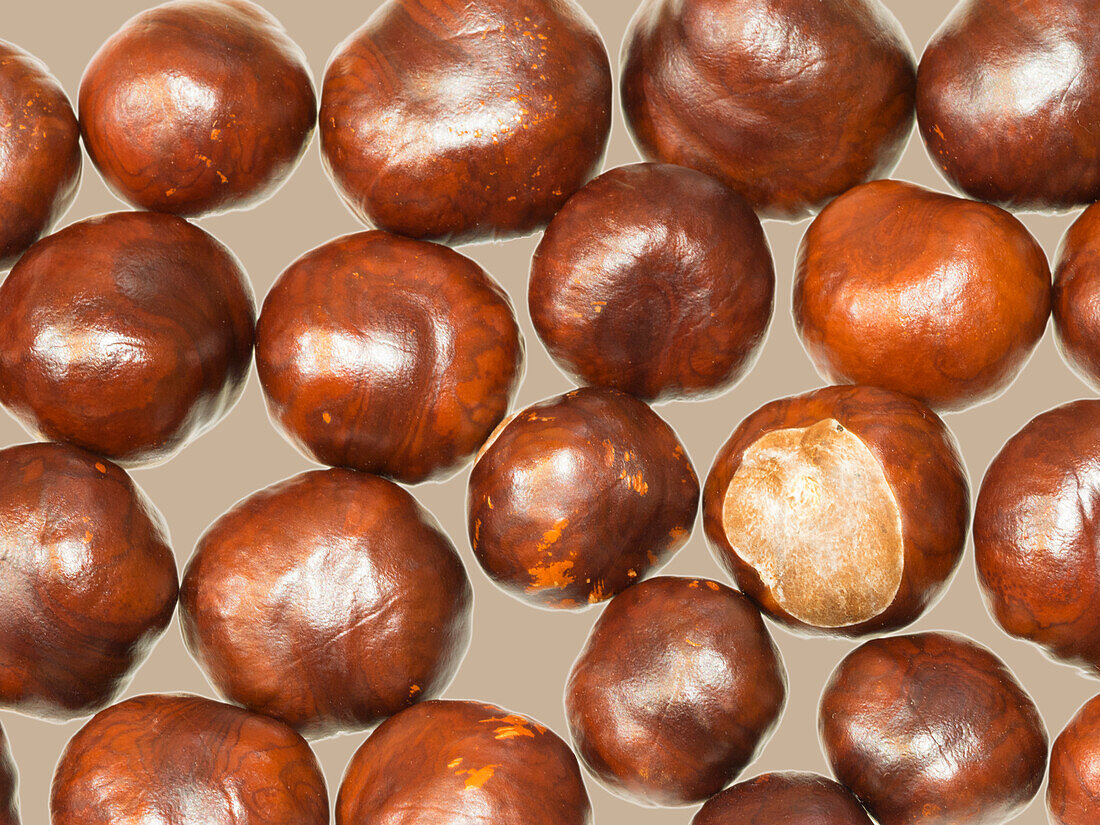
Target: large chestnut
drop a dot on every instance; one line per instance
(388, 355)
(330, 600)
(676, 690)
(789, 103)
(468, 121)
(173, 759)
(934, 296)
(196, 107)
(1076, 301)
(656, 280)
(1008, 102)
(9, 785)
(578, 497)
(87, 580)
(462, 762)
(40, 156)
(842, 511)
(1073, 793)
(932, 728)
(128, 334)
(786, 798)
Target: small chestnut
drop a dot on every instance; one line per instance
(1076, 301)
(786, 798)
(1073, 793)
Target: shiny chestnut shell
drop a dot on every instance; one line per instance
(1076, 300)
(1073, 793)
(786, 798)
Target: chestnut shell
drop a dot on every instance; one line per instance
(1076, 298)
(786, 798)
(1073, 793)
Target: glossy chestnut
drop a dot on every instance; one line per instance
(656, 280)
(9, 785)
(196, 107)
(1076, 298)
(788, 797)
(388, 355)
(934, 296)
(1073, 793)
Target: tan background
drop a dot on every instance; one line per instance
(520, 655)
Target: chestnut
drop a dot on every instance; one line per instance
(1073, 793)
(664, 250)
(388, 355)
(934, 296)
(88, 580)
(40, 147)
(1008, 102)
(174, 759)
(579, 496)
(128, 334)
(9, 785)
(787, 797)
(330, 600)
(1076, 297)
(196, 107)
(450, 761)
(932, 728)
(789, 103)
(460, 122)
(676, 690)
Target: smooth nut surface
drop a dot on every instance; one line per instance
(781, 798)
(1073, 793)
(1076, 298)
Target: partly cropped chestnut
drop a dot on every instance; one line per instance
(773, 798)
(1073, 795)
(9, 785)
(843, 511)
(1076, 302)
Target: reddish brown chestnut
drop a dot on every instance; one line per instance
(676, 690)
(9, 785)
(40, 156)
(87, 576)
(784, 799)
(180, 760)
(664, 250)
(842, 511)
(128, 334)
(930, 295)
(932, 728)
(1073, 793)
(1076, 301)
(578, 497)
(466, 121)
(462, 762)
(388, 355)
(1008, 102)
(196, 107)
(330, 601)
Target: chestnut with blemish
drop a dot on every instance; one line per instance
(9, 785)
(786, 798)
(676, 690)
(1076, 301)
(579, 496)
(932, 728)
(448, 761)
(1073, 792)
(841, 511)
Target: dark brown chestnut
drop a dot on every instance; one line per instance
(128, 334)
(676, 690)
(87, 576)
(173, 759)
(842, 511)
(462, 762)
(656, 280)
(934, 296)
(932, 728)
(1076, 299)
(9, 785)
(786, 798)
(467, 121)
(40, 152)
(1073, 793)
(577, 497)
(330, 601)
(196, 107)
(1008, 102)
(388, 355)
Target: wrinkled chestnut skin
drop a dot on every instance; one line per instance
(932, 728)
(460, 121)
(920, 459)
(174, 759)
(388, 355)
(1008, 102)
(40, 158)
(87, 580)
(9, 785)
(1076, 301)
(462, 762)
(676, 690)
(1073, 793)
(197, 107)
(789, 127)
(937, 297)
(330, 600)
(578, 497)
(664, 250)
(782, 798)
(128, 334)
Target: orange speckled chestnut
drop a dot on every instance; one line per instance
(786, 798)
(930, 295)
(466, 120)
(841, 511)
(578, 497)
(388, 355)
(1076, 304)
(9, 785)
(462, 762)
(1073, 793)
(196, 107)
